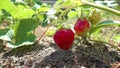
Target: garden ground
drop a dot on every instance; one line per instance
(48, 55)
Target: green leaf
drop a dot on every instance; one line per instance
(44, 22)
(43, 18)
(72, 14)
(3, 31)
(117, 37)
(18, 12)
(37, 1)
(6, 34)
(29, 37)
(108, 22)
(43, 9)
(23, 27)
(98, 27)
(28, 40)
(0, 16)
(50, 32)
(10, 7)
(24, 12)
(11, 45)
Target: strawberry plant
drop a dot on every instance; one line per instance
(22, 24)
(83, 30)
(23, 18)
(77, 10)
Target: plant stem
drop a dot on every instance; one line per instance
(84, 3)
(36, 42)
(102, 8)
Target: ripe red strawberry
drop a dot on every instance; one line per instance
(64, 38)
(81, 27)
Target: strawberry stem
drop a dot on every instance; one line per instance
(101, 7)
(37, 41)
(84, 3)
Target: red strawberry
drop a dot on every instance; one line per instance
(64, 38)
(81, 27)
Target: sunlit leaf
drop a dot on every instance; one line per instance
(50, 32)
(15, 45)
(24, 12)
(23, 27)
(72, 14)
(27, 40)
(41, 17)
(18, 12)
(117, 37)
(10, 7)
(43, 9)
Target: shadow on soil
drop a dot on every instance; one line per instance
(92, 55)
